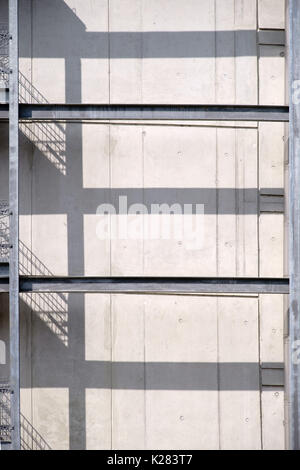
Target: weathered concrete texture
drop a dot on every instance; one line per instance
(134, 372)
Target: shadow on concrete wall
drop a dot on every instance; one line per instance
(58, 328)
(31, 439)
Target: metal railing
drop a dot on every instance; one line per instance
(4, 232)
(5, 420)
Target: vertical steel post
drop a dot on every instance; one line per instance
(14, 223)
(294, 228)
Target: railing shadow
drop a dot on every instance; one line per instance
(31, 439)
(50, 307)
(49, 137)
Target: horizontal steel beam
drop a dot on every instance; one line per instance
(154, 112)
(154, 285)
(69, 112)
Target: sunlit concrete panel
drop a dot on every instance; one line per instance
(271, 227)
(272, 75)
(97, 245)
(97, 327)
(95, 156)
(271, 14)
(51, 416)
(98, 419)
(273, 421)
(271, 155)
(271, 329)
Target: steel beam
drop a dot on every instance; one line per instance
(69, 112)
(294, 209)
(153, 112)
(14, 223)
(154, 285)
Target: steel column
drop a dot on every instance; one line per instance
(14, 223)
(294, 229)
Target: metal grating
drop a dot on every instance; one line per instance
(4, 57)
(4, 232)
(5, 421)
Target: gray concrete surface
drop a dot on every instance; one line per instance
(135, 372)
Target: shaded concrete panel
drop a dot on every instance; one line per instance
(61, 33)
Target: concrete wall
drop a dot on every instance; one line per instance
(134, 372)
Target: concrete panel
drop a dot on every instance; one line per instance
(271, 14)
(96, 249)
(98, 419)
(271, 229)
(93, 73)
(97, 327)
(246, 52)
(126, 75)
(64, 33)
(98, 348)
(25, 42)
(181, 158)
(128, 406)
(272, 377)
(271, 328)
(95, 156)
(236, 168)
(77, 401)
(44, 71)
(179, 79)
(271, 155)
(50, 243)
(271, 75)
(51, 416)
(273, 418)
(181, 419)
(225, 51)
(246, 220)
(126, 147)
(238, 342)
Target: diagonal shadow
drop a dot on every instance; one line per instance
(31, 439)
